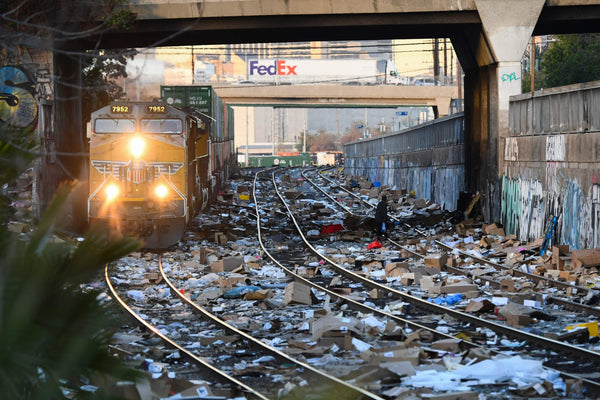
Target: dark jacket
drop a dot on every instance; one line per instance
(381, 212)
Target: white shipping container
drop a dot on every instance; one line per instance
(298, 71)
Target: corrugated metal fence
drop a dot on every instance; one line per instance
(428, 159)
(565, 109)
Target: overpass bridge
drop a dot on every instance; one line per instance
(438, 97)
(489, 37)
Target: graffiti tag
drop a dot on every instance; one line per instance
(510, 77)
(17, 98)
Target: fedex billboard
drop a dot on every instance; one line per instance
(290, 70)
(276, 67)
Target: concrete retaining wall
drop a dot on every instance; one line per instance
(428, 159)
(551, 165)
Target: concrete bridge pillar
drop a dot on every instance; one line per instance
(491, 59)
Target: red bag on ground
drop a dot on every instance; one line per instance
(374, 245)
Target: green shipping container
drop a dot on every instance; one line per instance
(281, 161)
(198, 97)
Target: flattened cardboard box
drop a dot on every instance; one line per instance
(393, 354)
(333, 324)
(586, 258)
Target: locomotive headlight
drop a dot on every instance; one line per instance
(161, 191)
(112, 191)
(136, 145)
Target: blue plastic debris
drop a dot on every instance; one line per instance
(240, 291)
(448, 300)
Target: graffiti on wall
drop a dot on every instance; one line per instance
(526, 209)
(510, 77)
(18, 106)
(511, 149)
(595, 215)
(439, 184)
(556, 148)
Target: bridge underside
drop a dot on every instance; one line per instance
(172, 23)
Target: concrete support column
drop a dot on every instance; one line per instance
(70, 147)
(507, 28)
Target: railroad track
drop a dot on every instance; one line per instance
(542, 342)
(276, 350)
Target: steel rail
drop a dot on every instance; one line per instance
(212, 371)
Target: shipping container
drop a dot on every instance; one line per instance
(198, 97)
(280, 161)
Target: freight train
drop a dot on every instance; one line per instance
(153, 167)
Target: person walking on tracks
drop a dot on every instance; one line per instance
(381, 216)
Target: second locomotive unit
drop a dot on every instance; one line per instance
(152, 167)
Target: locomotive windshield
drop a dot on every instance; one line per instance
(114, 125)
(162, 126)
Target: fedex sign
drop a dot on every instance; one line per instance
(276, 67)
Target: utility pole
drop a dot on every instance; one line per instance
(459, 76)
(337, 123)
(445, 63)
(532, 62)
(365, 127)
(436, 60)
(247, 144)
(193, 67)
(304, 140)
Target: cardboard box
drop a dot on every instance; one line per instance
(408, 278)
(566, 275)
(426, 283)
(254, 264)
(436, 262)
(586, 258)
(329, 323)
(221, 238)
(396, 269)
(393, 354)
(452, 261)
(458, 288)
(296, 292)
(449, 345)
(226, 264)
(552, 274)
(557, 252)
(507, 285)
(518, 320)
(493, 229)
(342, 340)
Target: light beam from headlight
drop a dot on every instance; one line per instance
(161, 191)
(136, 145)
(112, 191)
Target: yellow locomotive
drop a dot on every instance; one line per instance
(152, 167)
